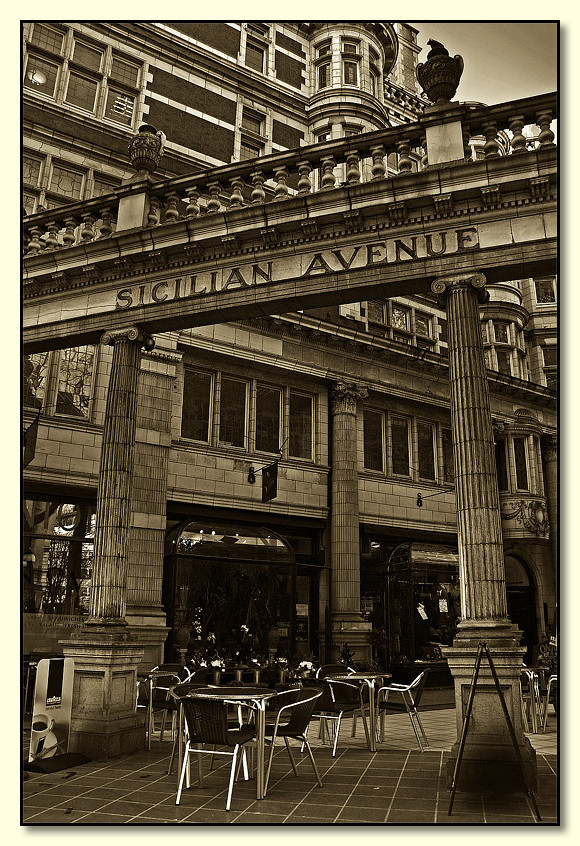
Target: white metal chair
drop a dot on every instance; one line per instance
(552, 682)
(410, 695)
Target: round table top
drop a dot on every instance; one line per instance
(359, 676)
(232, 693)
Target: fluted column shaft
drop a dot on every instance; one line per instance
(549, 445)
(481, 561)
(108, 594)
(344, 521)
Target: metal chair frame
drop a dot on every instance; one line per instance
(406, 693)
(299, 710)
(332, 708)
(552, 680)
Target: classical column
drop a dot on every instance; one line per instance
(549, 445)
(489, 760)
(347, 624)
(105, 722)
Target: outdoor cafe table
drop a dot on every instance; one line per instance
(369, 679)
(239, 695)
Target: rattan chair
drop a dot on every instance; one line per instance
(207, 723)
(410, 696)
(294, 710)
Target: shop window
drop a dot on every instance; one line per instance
(521, 467)
(545, 290)
(400, 446)
(75, 378)
(47, 37)
(233, 401)
(501, 465)
(41, 75)
(196, 415)
(426, 450)
(255, 56)
(300, 437)
(268, 418)
(81, 91)
(373, 440)
(34, 377)
(448, 462)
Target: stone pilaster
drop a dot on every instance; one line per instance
(489, 760)
(106, 656)
(549, 446)
(347, 623)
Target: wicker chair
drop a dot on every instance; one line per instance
(293, 712)
(410, 697)
(207, 723)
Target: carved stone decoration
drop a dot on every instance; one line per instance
(533, 516)
(345, 395)
(397, 212)
(352, 220)
(193, 251)
(146, 148)
(270, 236)
(439, 76)
(539, 187)
(230, 242)
(491, 195)
(133, 334)
(443, 204)
(310, 227)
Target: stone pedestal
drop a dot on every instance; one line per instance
(347, 625)
(489, 761)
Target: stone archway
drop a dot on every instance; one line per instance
(521, 600)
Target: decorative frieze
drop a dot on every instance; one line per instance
(532, 515)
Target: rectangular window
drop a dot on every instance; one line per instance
(74, 381)
(423, 324)
(501, 331)
(47, 38)
(268, 418)
(233, 412)
(504, 361)
(87, 56)
(30, 170)
(448, 463)
(400, 445)
(255, 56)
(41, 75)
(550, 356)
(324, 75)
(376, 311)
(426, 450)
(252, 122)
(373, 440)
(350, 72)
(400, 318)
(28, 202)
(374, 83)
(300, 426)
(545, 290)
(119, 106)
(323, 49)
(66, 182)
(501, 466)
(350, 47)
(521, 464)
(442, 329)
(249, 151)
(195, 418)
(81, 92)
(103, 186)
(125, 72)
(34, 375)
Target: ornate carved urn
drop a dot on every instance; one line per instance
(146, 148)
(439, 76)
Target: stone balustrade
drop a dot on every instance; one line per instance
(296, 173)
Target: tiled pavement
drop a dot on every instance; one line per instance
(395, 785)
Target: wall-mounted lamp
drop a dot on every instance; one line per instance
(421, 497)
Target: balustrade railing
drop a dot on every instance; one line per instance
(296, 173)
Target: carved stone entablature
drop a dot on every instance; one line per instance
(270, 236)
(491, 196)
(193, 251)
(230, 242)
(310, 228)
(156, 259)
(532, 515)
(59, 279)
(539, 187)
(345, 395)
(91, 273)
(124, 265)
(352, 220)
(397, 213)
(443, 204)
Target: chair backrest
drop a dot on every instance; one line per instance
(298, 710)
(165, 675)
(418, 686)
(184, 689)
(207, 720)
(332, 669)
(201, 675)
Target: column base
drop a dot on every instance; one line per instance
(149, 631)
(349, 628)
(489, 761)
(105, 722)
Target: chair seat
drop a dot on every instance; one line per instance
(241, 735)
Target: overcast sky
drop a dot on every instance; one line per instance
(503, 60)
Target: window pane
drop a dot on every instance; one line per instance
(41, 75)
(504, 362)
(521, 465)
(426, 452)
(65, 181)
(373, 440)
(34, 373)
(400, 317)
(349, 47)
(501, 466)
(400, 443)
(545, 291)
(442, 329)
(423, 324)
(28, 202)
(323, 75)
(44, 36)
(550, 356)
(249, 151)
(350, 73)
(268, 419)
(119, 107)
(30, 170)
(376, 313)
(125, 72)
(81, 92)
(196, 405)
(102, 187)
(501, 332)
(87, 56)
(300, 426)
(448, 465)
(252, 122)
(254, 57)
(233, 412)
(74, 381)
(323, 49)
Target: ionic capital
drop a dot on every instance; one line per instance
(345, 395)
(443, 284)
(134, 334)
